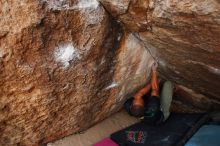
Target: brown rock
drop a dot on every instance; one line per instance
(62, 68)
(183, 36)
(132, 13)
(186, 100)
(65, 65)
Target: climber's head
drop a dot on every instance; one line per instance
(137, 111)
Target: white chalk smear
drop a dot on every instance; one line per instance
(208, 67)
(65, 5)
(65, 53)
(113, 85)
(88, 4)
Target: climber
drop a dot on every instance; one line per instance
(153, 109)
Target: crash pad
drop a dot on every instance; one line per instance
(106, 142)
(207, 135)
(168, 133)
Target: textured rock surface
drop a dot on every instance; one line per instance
(63, 67)
(182, 35)
(186, 100)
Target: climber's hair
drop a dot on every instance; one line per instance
(137, 111)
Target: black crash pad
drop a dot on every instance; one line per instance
(169, 133)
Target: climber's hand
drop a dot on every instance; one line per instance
(154, 66)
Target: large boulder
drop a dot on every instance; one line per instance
(183, 36)
(64, 65)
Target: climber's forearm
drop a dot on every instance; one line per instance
(143, 91)
(154, 83)
(138, 100)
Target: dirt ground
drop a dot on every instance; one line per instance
(98, 132)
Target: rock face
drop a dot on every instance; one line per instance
(183, 36)
(64, 65)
